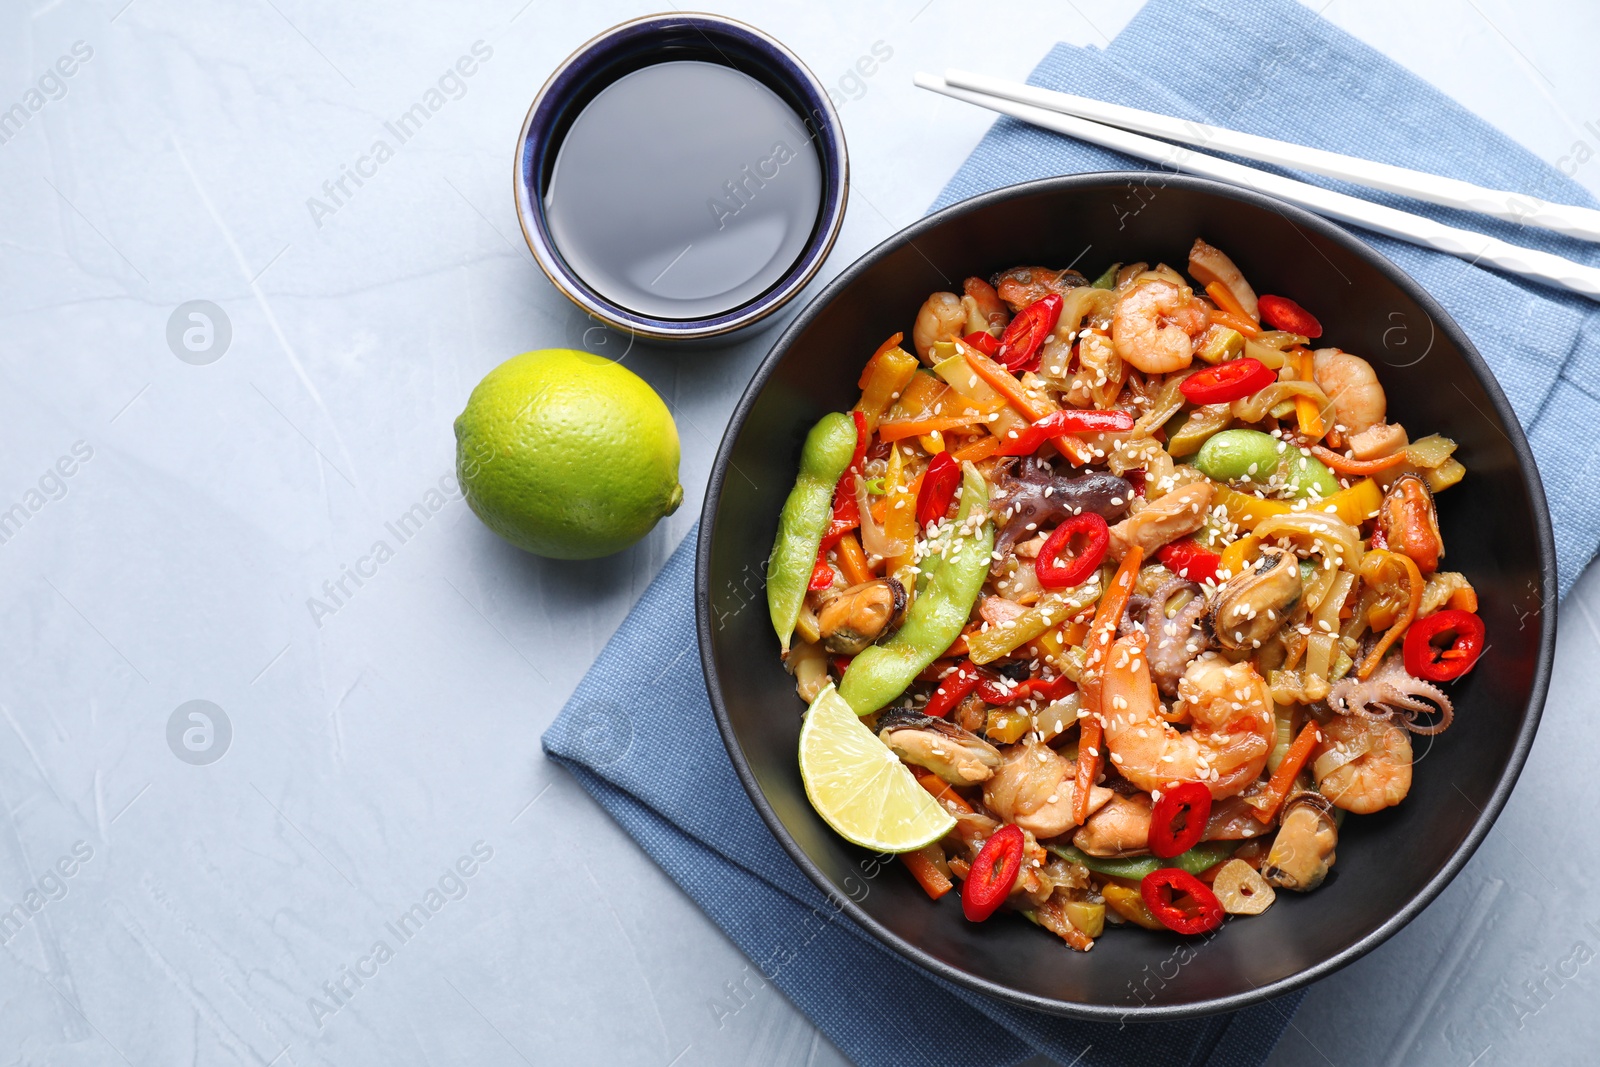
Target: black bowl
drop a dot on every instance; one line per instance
(1496, 526)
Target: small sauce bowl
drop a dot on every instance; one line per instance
(602, 63)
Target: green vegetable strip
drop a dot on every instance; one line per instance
(938, 615)
(1202, 857)
(823, 460)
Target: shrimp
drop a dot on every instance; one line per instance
(1228, 743)
(942, 318)
(1155, 325)
(1033, 788)
(985, 312)
(1352, 386)
(1180, 512)
(1363, 765)
(1120, 828)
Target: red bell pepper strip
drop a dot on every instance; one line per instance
(1051, 689)
(939, 486)
(993, 873)
(952, 690)
(1281, 313)
(1052, 572)
(1228, 381)
(821, 574)
(1427, 660)
(1179, 819)
(1164, 892)
(1068, 420)
(1020, 344)
(984, 342)
(846, 512)
(1187, 558)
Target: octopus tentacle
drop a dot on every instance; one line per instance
(1393, 693)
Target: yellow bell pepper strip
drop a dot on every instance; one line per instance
(1129, 904)
(1354, 505)
(1306, 411)
(824, 458)
(885, 375)
(949, 584)
(1373, 565)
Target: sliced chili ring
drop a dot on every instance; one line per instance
(1179, 819)
(1227, 382)
(1052, 572)
(1444, 663)
(938, 488)
(1281, 313)
(1019, 345)
(984, 342)
(993, 874)
(1180, 901)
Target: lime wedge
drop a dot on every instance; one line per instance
(859, 787)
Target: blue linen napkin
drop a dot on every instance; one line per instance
(1270, 68)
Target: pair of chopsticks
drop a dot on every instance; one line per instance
(1125, 129)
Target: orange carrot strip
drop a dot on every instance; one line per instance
(1306, 411)
(976, 451)
(1342, 464)
(901, 429)
(1406, 618)
(853, 561)
(927, 874)
(1032, 407)
(866, 371)
(1101, 633)
(1283, 778)
(1234, 322)
(941, 791)
(1228, 302)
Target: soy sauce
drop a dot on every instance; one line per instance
(683, 190)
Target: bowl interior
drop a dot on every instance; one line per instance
(1496, 530)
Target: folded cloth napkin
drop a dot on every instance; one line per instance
(1277, 70)
(1271, 68)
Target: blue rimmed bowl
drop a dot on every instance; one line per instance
(632, 46)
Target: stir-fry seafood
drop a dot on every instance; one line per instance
(1141, 588)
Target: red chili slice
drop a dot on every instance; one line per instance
(1019, 345)
(993, 874)
(1054, 574)
(1435, 663)
(1179, 819)
(1281, 313)
(1180, 901)
(1068, 420)
(846, 512)
(984, 342)
(938, 489)
(1051, 689)
(952, 690)
(1187, 558)
(1228, 381)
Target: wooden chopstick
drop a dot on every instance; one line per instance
(1465, 244)
(1581, 222)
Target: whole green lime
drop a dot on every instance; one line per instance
(567, 455)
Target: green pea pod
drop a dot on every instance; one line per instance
(829, 447)
(1202, 857)
(950, 583)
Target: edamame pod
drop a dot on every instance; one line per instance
(826, 454)
(1253, 456)
(948, 586)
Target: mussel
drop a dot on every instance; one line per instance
(854, 618)
(1252, 606)
(1303, 852)
(956, 755)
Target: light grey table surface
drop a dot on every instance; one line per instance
(184, 912)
